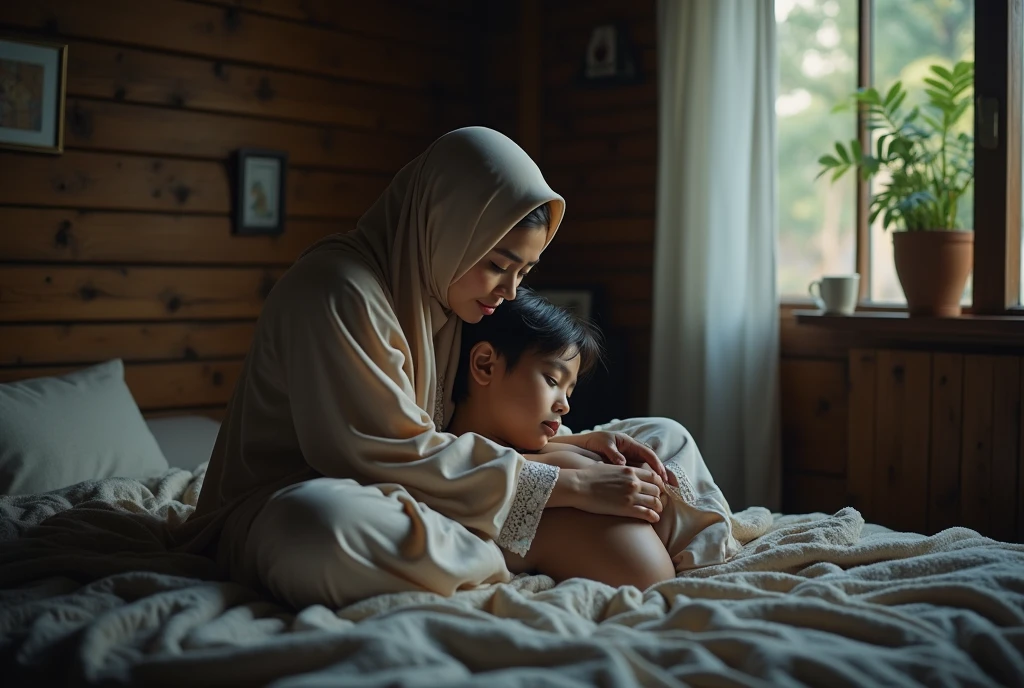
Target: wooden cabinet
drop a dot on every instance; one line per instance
(930, 439)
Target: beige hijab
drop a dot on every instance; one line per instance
(442, 213)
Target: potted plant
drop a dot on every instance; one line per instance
(929, 166)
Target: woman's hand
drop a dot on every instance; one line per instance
(618, 491)
(618, 448)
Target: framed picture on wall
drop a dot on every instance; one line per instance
(32, 90)
(260, 191)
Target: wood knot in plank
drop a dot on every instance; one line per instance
(62, 239)
(232, 20)
(265, 92)
(81, 122)
(181, 194)
(220, 71)
(190, 354)
(74, 180)
(898, 373)
(217, 378)
(88, 292)
(173, 304)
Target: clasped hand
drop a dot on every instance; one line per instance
(612, 474)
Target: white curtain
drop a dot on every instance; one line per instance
(715, 354)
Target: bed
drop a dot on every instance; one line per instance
(90, 595)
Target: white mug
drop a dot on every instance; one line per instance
(837, 294)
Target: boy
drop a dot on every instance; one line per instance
(518, 369)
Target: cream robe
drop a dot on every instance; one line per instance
(350, 371)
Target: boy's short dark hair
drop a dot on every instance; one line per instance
(530, 323)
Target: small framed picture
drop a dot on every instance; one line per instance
(32, 93)
(579, 301)
(611, 58)
(260, 191)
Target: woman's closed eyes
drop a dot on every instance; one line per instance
(501, 271)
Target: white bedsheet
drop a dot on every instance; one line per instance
(819, 600)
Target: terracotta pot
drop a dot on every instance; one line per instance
(933, 267)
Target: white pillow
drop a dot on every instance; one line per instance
(58, 431)
(186, 441)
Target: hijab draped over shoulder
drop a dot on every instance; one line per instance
(351, 367)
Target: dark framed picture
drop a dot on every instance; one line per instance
(260, 191)
(32, 94)
(611, 57)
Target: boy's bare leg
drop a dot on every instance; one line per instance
(618, 551)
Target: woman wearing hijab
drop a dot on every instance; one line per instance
(332, 479)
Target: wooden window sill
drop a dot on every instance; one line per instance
(897, 327)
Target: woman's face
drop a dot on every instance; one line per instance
(497, 275)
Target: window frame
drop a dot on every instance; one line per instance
(997, 171)
(997, 181)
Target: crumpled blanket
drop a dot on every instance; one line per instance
(90, 595)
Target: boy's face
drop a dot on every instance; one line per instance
(526, 404)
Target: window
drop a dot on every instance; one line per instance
(817, 53)
(825, 53)
(908, 36)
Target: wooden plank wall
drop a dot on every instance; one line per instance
(599, 150)
(815, 407)
(121, 247)
(916, 440)
(946, 448)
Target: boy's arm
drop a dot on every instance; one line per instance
(616, 448)
(564, 457)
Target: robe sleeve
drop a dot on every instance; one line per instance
(345, 363)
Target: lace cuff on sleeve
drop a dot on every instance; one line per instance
(685, 490)
(536, 481)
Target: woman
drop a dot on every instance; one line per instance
(332, 480)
